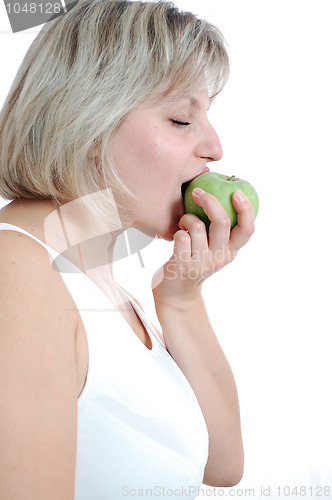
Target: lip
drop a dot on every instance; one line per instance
(185, 184)
(205, 169)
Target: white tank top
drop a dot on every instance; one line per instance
(141, 431)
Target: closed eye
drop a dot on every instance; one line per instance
(177, 122)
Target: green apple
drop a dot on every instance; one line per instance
(222, 187)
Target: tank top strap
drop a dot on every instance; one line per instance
(65, 264)
(147, 323)
(72, 276)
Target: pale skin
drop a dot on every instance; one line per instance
(189, 335)
(166, 154)
(187, 332)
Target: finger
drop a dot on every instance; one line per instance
(197, 230)
(219, 229)
(245, 227)
(182, 247)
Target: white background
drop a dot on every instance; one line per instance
(271, 307)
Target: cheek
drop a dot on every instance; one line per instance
(156, 150)
(152, 152)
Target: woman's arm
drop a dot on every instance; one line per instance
(38, 387)
(192, 343)
(187, 331)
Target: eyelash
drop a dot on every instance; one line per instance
(177, 122)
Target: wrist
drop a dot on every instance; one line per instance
(181, 304)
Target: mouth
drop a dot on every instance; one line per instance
(186, 184)
(184, 187)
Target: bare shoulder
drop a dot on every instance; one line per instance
(38, 375)
(24, 264)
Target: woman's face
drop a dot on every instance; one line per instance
(159, 147)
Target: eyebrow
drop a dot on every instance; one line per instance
(185, 97)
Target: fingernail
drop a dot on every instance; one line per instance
(239, 196)
(198, 191)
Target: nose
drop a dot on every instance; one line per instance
(209, 146)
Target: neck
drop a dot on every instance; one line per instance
(85, 240)
(96, 254)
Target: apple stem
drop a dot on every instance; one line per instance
(231, 178)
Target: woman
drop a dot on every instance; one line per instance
(106, 119)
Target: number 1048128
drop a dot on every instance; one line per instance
(304, 491)
(34, 8)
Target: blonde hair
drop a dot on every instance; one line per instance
(83, 73)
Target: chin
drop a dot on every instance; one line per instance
(167, 237)
(164, 236)
(167, 230)
(168, 233)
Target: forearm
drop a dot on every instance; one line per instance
(188, 334)
(191, 341)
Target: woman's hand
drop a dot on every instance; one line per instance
(197, 255)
